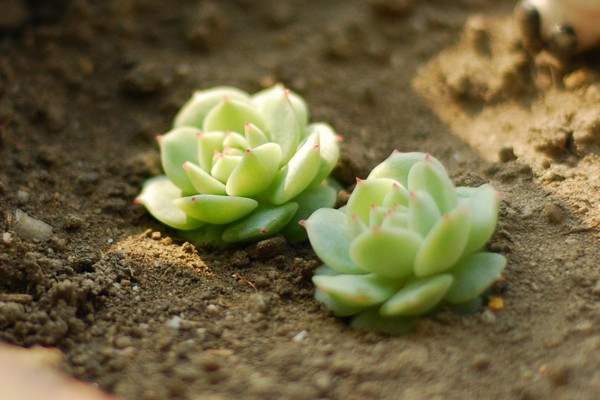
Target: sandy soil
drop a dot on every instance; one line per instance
(86, 86)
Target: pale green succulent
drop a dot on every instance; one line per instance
(407, 242)
(239, 168)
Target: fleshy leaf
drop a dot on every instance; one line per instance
(397, 196)
(177, 147)
(423, 212)
(263, 222)
(395, 219)
(194, 111)
(207, 235)
(444, 244)
(202, 181)
(398, 165)
(338, 308)
(158, 195)
(255, 171)
(264, 97)
(473, 275)
(297, 174)
(484, 205)
(235, 140)
(389, 252)
(254, 136)
(329, 149)
(208, 144)
(323, 196)
(367, 193)
(231, 115)
(224, 166)
(330, 236)
(216, 209)
(417, 297)
(282, 126)
(356, 290)
(376, 215)
(424, 175)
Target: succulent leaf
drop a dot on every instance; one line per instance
(254, 136)
(372, 320)
(255, 171)
(484, 204)
(389, 252)
(208, 144)
(398, 165)
(473, 275)
(423, 212)
(265, 221)
(202, 181)
(323, 196)
(367, 193)
(263, 99)
(329, 149)
(215, 209)
(223, 166)
(339, 309)
(231, 115)
(355, 290)
(193, 112)
(158, 195)
(418, 297)
(329, 233)
(444, 244)
(424, 175)
(297, 174)
(177, 147)
(397, 196)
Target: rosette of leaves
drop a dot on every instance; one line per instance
(407, 242)
(239, 168)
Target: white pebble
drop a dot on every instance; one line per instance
(174, 322)
(300, 336)
(30, 228)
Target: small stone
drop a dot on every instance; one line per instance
(554, 213)
(488, 317)
(29, 228)
(213, 309)
(258, 303)
(23, 197)
(7, 238)
(578, 79)
(300, 336)
(174, 322)
(481, 361)
(122, 342)
(155, 235)
(506, 154)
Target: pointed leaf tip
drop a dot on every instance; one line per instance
(302, 223)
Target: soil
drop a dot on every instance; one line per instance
(85, 87)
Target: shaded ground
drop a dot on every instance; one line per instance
(146, 316)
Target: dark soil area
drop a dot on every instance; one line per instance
(85, 86)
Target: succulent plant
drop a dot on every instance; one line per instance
(239, 168)
(407, 242)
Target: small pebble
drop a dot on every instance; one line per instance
(488, 317)
(23, 197)
(481, 361)
(553, 213)
(174, 322)
(29, 228)
(506, 154)
(212, 309)
(300, 336)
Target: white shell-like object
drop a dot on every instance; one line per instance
(581, 15)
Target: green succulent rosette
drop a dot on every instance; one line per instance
(242, 167)
(407, 242)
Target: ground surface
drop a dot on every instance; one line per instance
(146, 316)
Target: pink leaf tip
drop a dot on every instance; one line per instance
(264, 231)
(137, 200)
(302, 223)
(158, 138)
